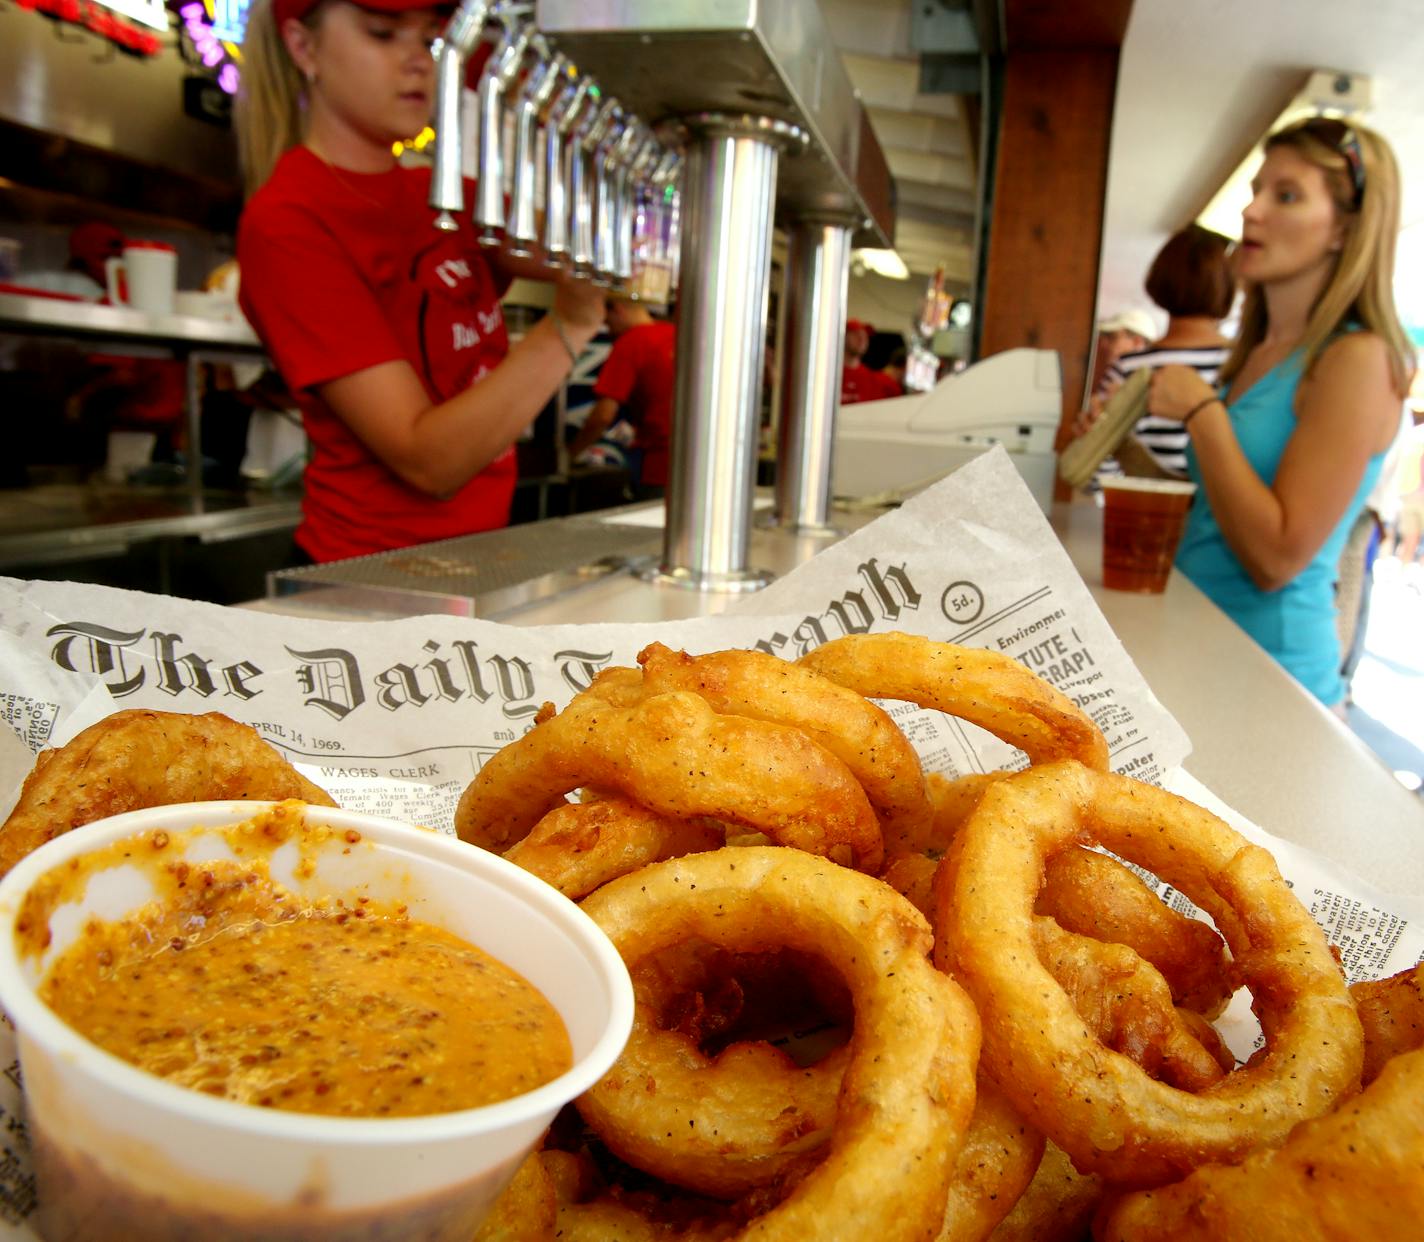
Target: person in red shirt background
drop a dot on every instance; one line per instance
(858, 381)
(636, 382)
(387, 330)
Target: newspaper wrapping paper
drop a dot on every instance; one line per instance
(395, 717)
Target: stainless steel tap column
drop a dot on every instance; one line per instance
(728, 196)
(817, 271)
(462, 32)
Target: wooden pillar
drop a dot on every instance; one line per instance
(1050, 182)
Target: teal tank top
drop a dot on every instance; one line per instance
(1296, 624)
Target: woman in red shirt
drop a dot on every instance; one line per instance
(388, 330)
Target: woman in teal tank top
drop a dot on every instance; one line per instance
(1285, 453)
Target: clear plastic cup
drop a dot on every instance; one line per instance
(121, 1154)
(1143, 521)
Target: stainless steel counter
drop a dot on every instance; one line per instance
(57, 523)
(1260, 743)
(59, 317)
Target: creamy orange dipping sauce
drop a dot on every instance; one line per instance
(233, 985)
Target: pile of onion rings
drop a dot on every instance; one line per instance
(759, 839)
(877, 1003)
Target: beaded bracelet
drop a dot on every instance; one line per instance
(1200, 405)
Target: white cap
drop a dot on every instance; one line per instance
(1138, 321)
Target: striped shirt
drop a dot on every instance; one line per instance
(1165, 438)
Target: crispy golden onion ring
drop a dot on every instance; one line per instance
(1357, 1173)
(1124, 1000)
(140, 758)
(1392, 1013)
(526, 1211)
(717, 1125)
(764, 687)
(985, 688)
(996, 1166)
(1057, 1206)
(908, 1090)
(1097, 1104)
(581, 845)
(1127, 1006)
(673, 754)
(1094, 895)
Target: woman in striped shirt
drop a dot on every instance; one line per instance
(1191, 280)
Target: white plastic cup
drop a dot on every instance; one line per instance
(122, 1155)
(145, 278)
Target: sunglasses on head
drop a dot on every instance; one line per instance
(1343, 140)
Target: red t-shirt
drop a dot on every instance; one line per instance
(342, 271)
(860, 383)
(638, 374)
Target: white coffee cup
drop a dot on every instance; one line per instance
(145, 278)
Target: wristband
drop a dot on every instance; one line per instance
(563, 336)
(1196, 409)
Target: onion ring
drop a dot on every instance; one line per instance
(1094, 895)
(653, 1107)
(673, 754)
(1091, 894)
(1355, 1173)
(1392, 1013)
(1096, 1104)
(1127, 1006)
(526, 1210)
(908, 1090)
(1057, 1206)
(764, 687)
(1000, 1155)
(141, 758)
(1122, 998)
(985, 688)
(581, 845)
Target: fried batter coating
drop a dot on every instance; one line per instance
(1097, 1105)
(985, 688)
(1000, 1155)
(908, 1091)
(1057, 1206)
(581, 845)
(526, 1211)
(1356, 1174)
(855, 730)
(140, 758)
(673, 754)
(1094, 895)
(1392, 1013)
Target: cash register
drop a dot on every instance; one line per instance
(889, 449)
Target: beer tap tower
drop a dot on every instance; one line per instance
(764, 127)
(770, 131)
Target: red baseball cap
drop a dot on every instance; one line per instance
(859, 325)
(283, 9)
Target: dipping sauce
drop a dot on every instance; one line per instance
(234, 985)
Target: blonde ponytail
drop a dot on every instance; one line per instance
(268, 110)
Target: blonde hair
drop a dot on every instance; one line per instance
(1361, 288)
(270, 101)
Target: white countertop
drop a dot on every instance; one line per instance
(1259, 741)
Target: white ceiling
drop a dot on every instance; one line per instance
(1201, 80)
(926, 138)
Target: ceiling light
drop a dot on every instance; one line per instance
(1326, 93)
(881, 262)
